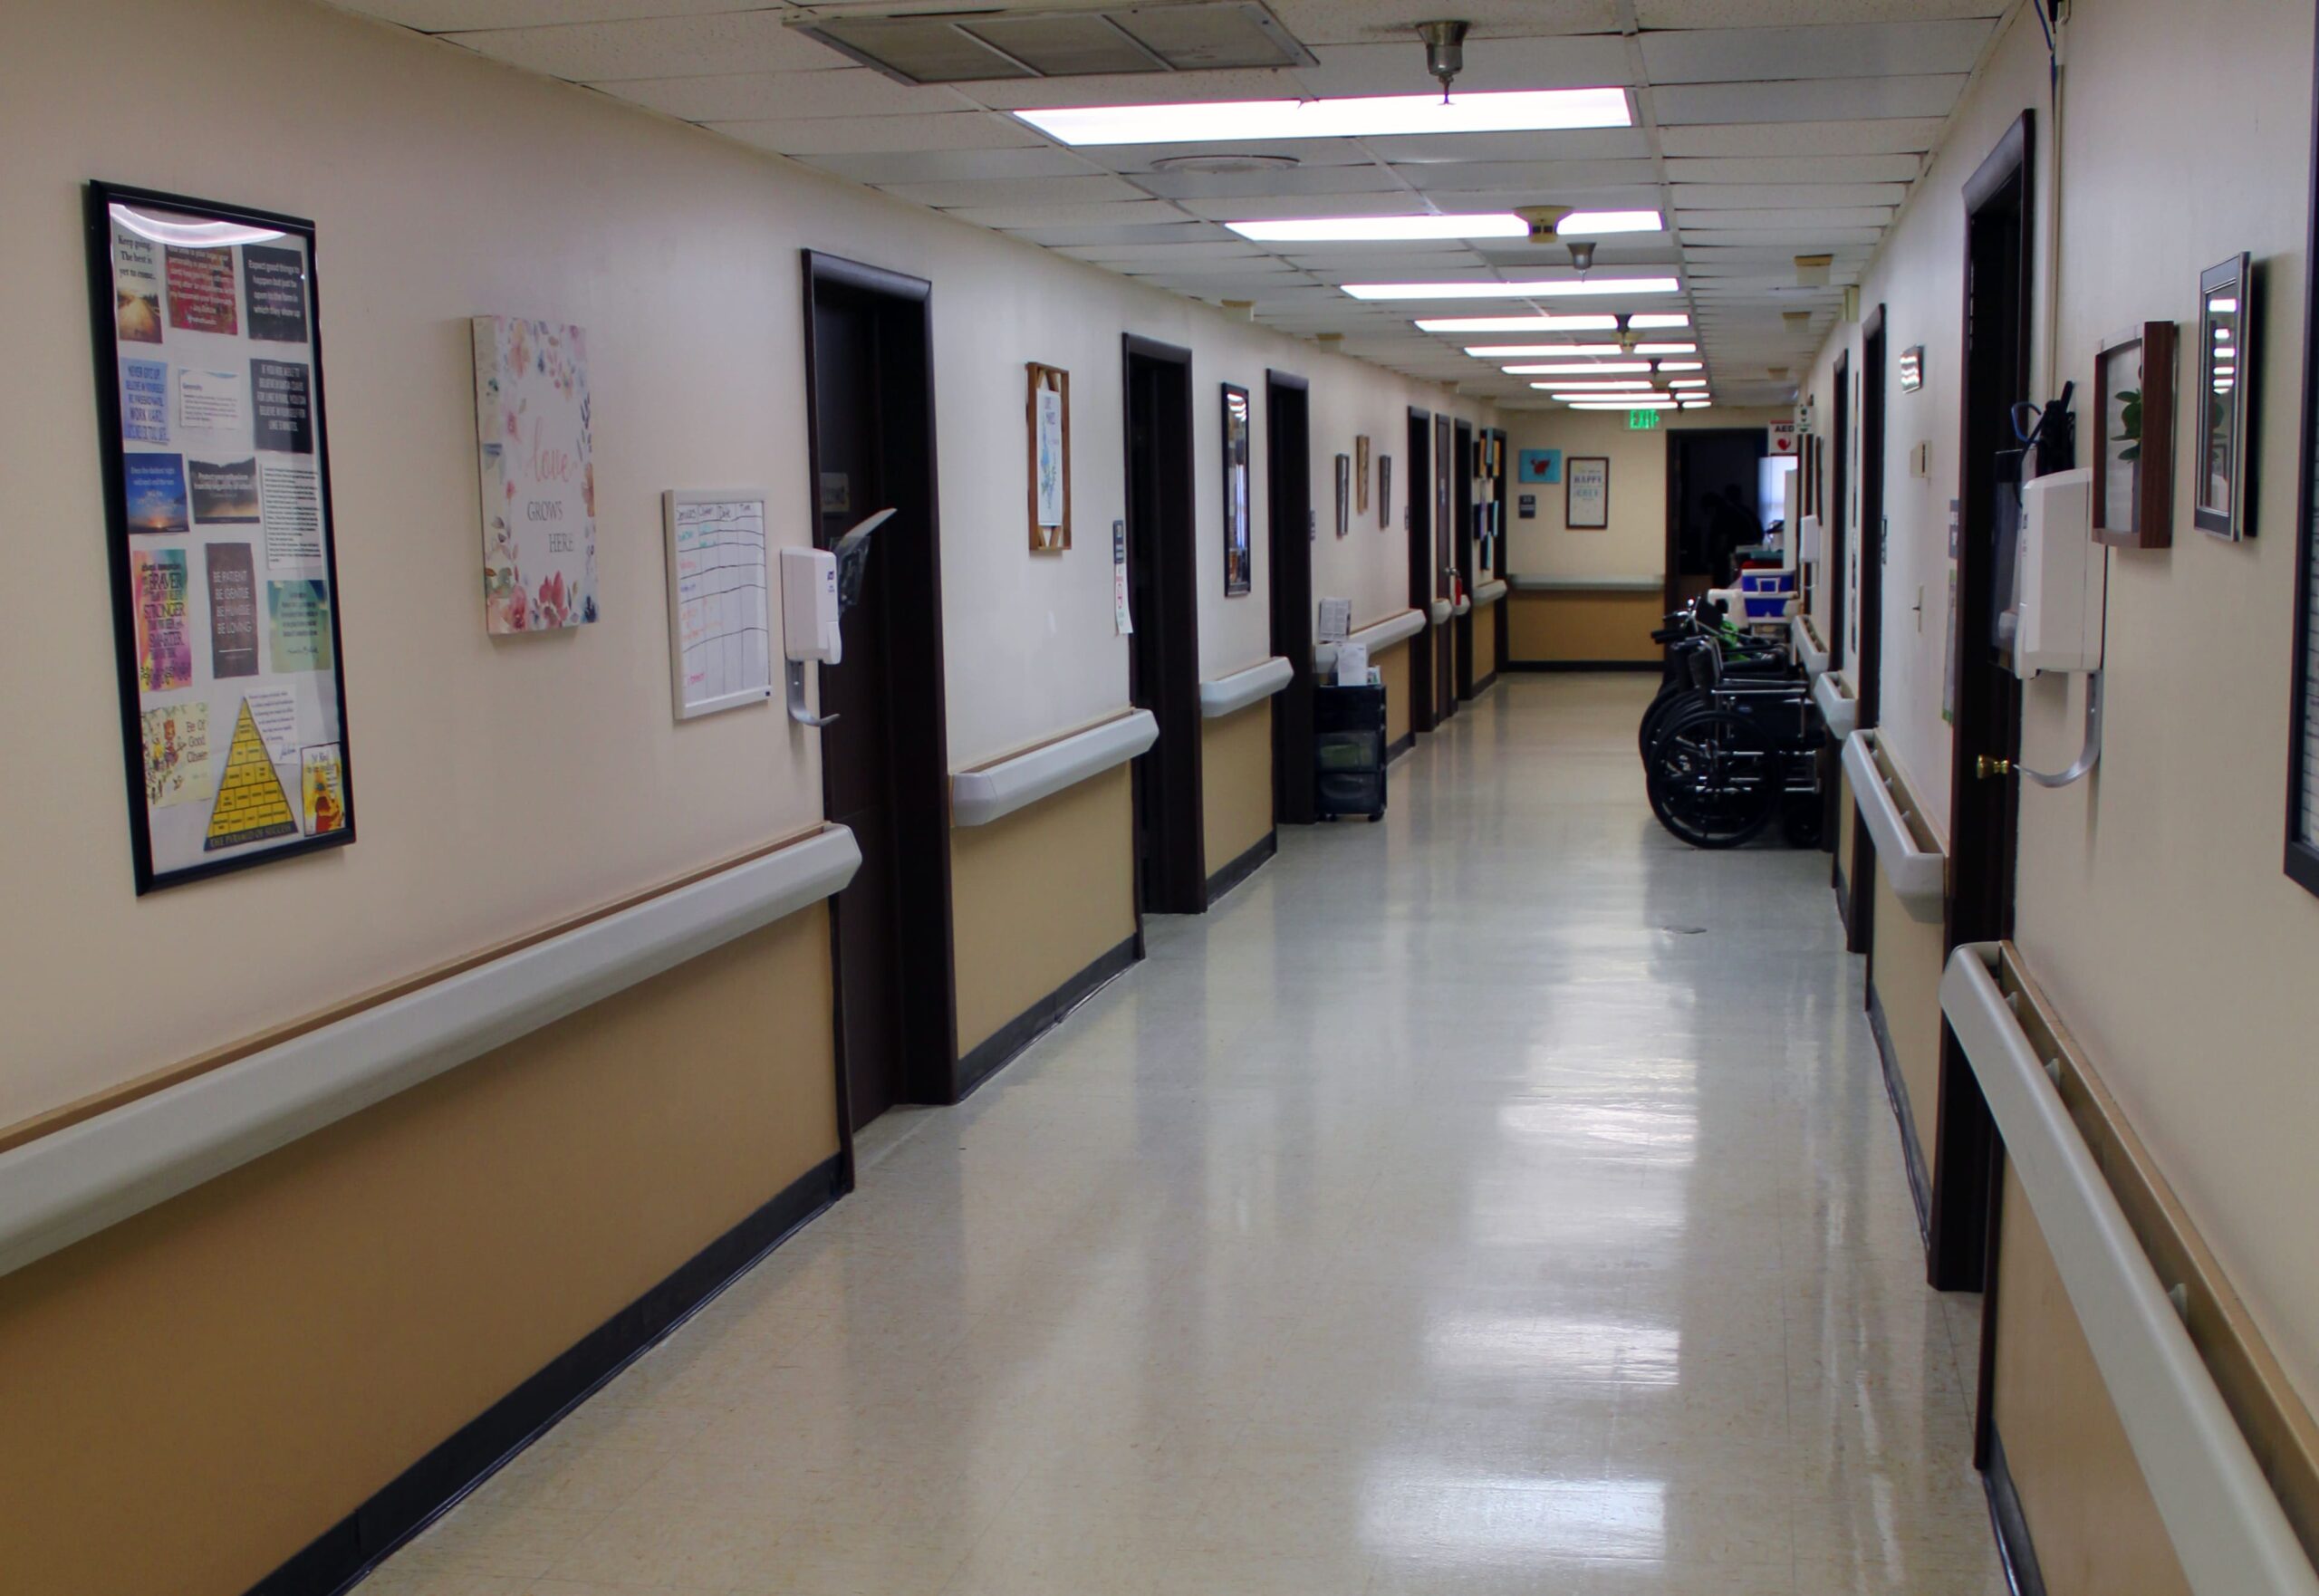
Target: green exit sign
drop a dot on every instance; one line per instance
(1642, 420)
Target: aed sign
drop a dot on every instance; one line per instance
(1783, 437)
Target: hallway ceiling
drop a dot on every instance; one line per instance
(1764, 130)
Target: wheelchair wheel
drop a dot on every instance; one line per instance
(1713, 777)
(1670, 702)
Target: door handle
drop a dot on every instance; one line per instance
(1984, 767)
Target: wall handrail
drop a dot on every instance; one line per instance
(1809, 649)
(2229, 1527)
(1918, 874)
(1832, 691)
(997, 789)
(93, 1173)
(1587, 584)
(1437, 612)
(1398, 626)
(1228, 694)
(1463, 606)
(1490, 592)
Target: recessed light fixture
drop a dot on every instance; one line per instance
(1408, 229)
(1533, 323)
(1665, 349)
(1547, 288)
(1688, 382)
(1699, 404)
(1601, 369)
(1367, 117)
(1643, 319)
(1622, 405)
(1574, 383)
(1681, 366)
(1511, 351)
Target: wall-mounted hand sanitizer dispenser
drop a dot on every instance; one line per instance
(809, 627)
(2061, 576)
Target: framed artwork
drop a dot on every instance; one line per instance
(538, 477)
(2133, 472)
(1912, 367)
(1540, 465)
(1344, 495)
(1360, 473)
(1047, 418)
(1586, 494)
(2303, 739)
(1239, 562)
(220, 536)
(1384, 493)
(720, 630)
(2220, 501)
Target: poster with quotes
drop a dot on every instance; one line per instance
(219, 535)
(538, 479)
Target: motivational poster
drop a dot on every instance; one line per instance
(201, 290)
(225, 608)
(538, 483)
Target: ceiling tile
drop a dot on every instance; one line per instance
(935, 166)
(1065, 215)
(657, 47)
(848, 91)
(868, 135)
(1573, 145)
(1118, 253)
(1690, 197)
(1348, 22)
(1282, 206)
(1798, 169)
(1165, 231)
(1809, 100)
(1879, 135)
(438, 16)
(1575, 176)
(1302, 180)
(1711, 221)
(1586, 61)
(1759, 14)
(1806, 240)
(954, 194)
(1848, 50)
(1302, 152)
(1134, 88)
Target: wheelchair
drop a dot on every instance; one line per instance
(1733, 739)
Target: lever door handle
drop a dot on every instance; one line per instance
(1984, 767)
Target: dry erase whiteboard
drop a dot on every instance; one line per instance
(720, 638)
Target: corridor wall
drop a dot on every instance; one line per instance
(434, 1250)
(2150, 901)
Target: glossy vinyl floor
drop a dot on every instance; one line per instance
(1501, 1199)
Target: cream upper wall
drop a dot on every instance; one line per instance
(1635, 542)
(1371, 564)
(2150, 900)
(499, 785)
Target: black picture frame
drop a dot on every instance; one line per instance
(1239, 558)
(1569, 487)
(1344, 495)
(2223, 434)
(98, 198)
(1384, 493)
(2302, 849)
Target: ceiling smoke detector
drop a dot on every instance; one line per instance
(1445, 51)
(1546, 227)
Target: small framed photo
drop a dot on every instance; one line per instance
(1586, 493)
(1240, 561)
(1360, 473)
(2220, 499)
(1344, 495)
(1384, 493)
(2134, 476)
(1047, 419)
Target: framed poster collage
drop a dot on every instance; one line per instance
(219, 534)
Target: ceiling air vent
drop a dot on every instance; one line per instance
(970, 46)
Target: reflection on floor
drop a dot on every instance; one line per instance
(1500, 1199)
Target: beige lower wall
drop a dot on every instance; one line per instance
(1905, 970)
(1039, 895)
(1553, 628)
(1235, 783)
(195, 1394)
(1486, 640)
(2089, 1510)
(1394, 671)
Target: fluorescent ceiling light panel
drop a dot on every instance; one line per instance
(1368, 117)
(1643, 318)
(1514, 351)
(1381, 229)
(1602, 368)
(1595, 224)
(1640, 383)
(1548, 288)
(1534, 323)
(1681, 366)
(1637, 405)
(1688, 382)
(1665, 349)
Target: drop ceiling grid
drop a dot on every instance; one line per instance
(1767, 128)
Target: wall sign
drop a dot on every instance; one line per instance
(720, 632)
(1526, 507)
(1539, 465)
(1912, 367)
(538, 476)
(220, 537)
(1643, 420)
(1781, 438)
(1586, 496)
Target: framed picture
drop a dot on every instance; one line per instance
(2220, 501)
(2133, 472)
(2302, 735)
(538, 481)
(1912, 367)
(1344, 495)
(1586, 493)
(1384, 492)
(220, 536)
(1360, 473)
(1239, 562)
(1046, 416)
(1540, 465)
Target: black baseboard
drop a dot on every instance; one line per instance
(2013, 1544)
(1241, 868)
(1654, 665)
(987, 1058)
(1896, 1088)
(1842, 889)
(429, 1487)
(1483, 685)
(1400, 746)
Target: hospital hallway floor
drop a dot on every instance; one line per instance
(1501, 1199)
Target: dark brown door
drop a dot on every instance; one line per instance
(1985, 733)
(884, 761)
(1288, 470)
(1867, 614)
(1835, 518)
(1163, 605)
(1425, 708)
(1461, 557)
(1445, 561)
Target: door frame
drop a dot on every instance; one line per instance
(1417, 525)
(1166, 788)
(921, 796)
(1983, 812)
(1868, 611)
(1445, 515)
(1288, 541)
(1835, 538)
(1462, 552)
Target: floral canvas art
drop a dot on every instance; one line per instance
(538, 474)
